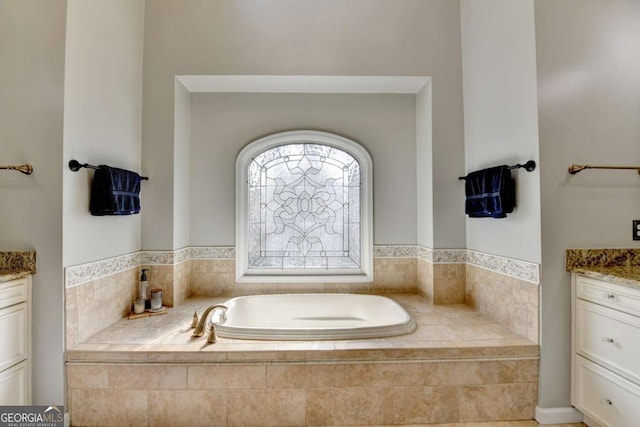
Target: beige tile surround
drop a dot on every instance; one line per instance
(510, 301)
(174, 280)
(95, 305)
(213, 277)
(463, 364)
(441, 283)
(458, 366)
(301, 394)
(106, 300)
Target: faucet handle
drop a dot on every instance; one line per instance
(211, 339)
(194, 322)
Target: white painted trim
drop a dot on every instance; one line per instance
(303, 84)
(591, 422)
(365, 273)
(558, 415)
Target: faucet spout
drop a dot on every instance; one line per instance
(199, 331)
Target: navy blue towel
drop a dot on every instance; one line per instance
(490, 193)
(114, 192)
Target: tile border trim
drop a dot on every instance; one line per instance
(212, 252)
(82, 273)
(519, 269)
(79, 274)
(441, 256)
(394, 251)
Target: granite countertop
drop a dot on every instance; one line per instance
(625, 276)
(619, 266)
(7, 276)
(16, 264)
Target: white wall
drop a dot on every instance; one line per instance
(589, 110)
(222, 124)
(288, 37)
(32, 36)
(501, 118)
(424, 167)
(102, 120)
(181, 166)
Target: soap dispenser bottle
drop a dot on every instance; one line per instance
(143, 288)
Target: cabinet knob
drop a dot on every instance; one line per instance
(610, 296)
(606, 402)
(607, 339)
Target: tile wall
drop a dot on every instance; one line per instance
(101, 293)
(271, 394)
(511, 301)
(424, 278)
(213, 277)
(441, 283)
(94, 305)
(174, 280)
(97, 303)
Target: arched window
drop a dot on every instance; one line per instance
(304, 209)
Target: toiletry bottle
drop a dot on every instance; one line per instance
(142, 289)
(156, 299)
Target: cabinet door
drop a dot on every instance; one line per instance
(609, 399)
(608, 337)
(13, 335)
(608, 294)
(13, 385)
(13, 292)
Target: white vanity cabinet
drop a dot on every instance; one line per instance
(605, 352)
(15, 342)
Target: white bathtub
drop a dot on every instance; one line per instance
(313, 317)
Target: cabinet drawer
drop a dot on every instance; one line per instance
(609, 337)
(607, 398)
(13, 292)
(13, 385)
(615, 296)
(13, 335)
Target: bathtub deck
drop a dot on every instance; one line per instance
(443, 332)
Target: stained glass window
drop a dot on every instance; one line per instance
(304, 208)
